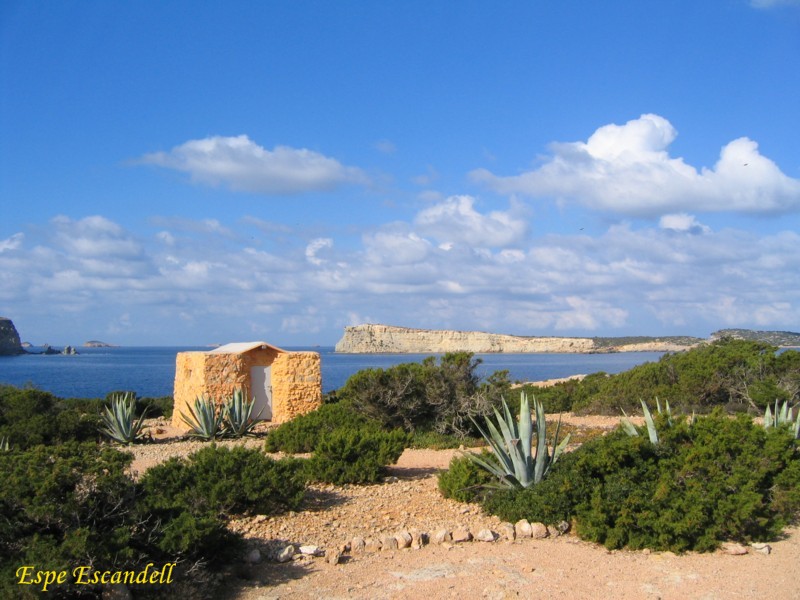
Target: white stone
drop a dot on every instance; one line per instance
(486, 535)
(286, 554)
(523, 529)
(539, 531)
(389, 542)
(357, 545)
(761, 547)
(462, 535)
(734, 549)
(404, 539)
(507, 532)
(441, 536)
(254, 556)
(311, 550)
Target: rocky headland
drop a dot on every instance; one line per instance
(9, 339)
(373, 338)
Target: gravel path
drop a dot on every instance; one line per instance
(555, 567)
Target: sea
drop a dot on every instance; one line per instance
(150, 371)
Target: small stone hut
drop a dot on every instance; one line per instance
(284, 384)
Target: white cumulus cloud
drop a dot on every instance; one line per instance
(243, 165)
(456, 220)
(627, 169)
(12, 243)
(682, 222)
(314, 247)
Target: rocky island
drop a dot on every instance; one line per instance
(373, 338)
(97, 344)
(9, 339)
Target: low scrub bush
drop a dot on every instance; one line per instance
(355, 455)
(29, 417)
(715, 480)
(464, 480)
(443, 397)
(303, 433)
(222, 481)
(74, 505)
(156, 407)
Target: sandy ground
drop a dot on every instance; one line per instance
(555, 567)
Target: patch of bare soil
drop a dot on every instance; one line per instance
(555, 567)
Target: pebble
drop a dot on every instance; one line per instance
(734, 549)
(311, 550)
(486, 535)
(539, 531)
(761, 547)
(462, 535)
(441, 536)
(507, 532)
(286, 554)
(523, 529)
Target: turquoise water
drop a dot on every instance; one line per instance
(150, 371)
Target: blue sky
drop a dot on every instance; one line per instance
(202, 172)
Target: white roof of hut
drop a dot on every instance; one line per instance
(242, 347)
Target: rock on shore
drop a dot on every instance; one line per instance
(373, 338)
(9, 339)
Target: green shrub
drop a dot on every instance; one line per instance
(725, 372)
(29, 417)
(222, 481)
(63, 506)
(464, 480)
(156, 407)
(355, 455)
(303, 433)
(443, 396)
(720, 479)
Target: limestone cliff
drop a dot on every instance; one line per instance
(370, 338)
(9, 338)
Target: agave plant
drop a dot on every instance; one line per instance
(5, 446)
(237, 415)
(781, 417)
(652, 433)
(204, 420)
(514, 460)
(119, 419)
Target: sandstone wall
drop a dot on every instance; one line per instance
(296, 385)
(189, 384)
(386, 338)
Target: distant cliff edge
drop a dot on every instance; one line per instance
(370, 338)
(9, 339)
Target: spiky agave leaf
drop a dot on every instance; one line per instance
(204, 420)
(651, 425)
(782, 417)
(237, 415)
(119, 419)
(628, 426)
(514, 462)
(5, 446)
(768, 421)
